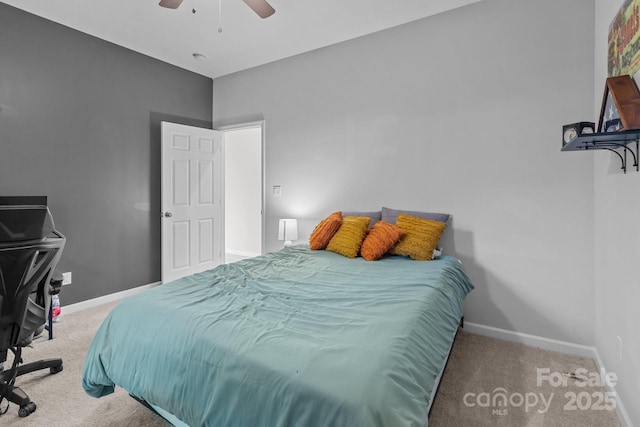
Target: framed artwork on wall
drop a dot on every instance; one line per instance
(620, 108)
(624, 40)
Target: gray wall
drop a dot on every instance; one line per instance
(80, 123)
(461, 113)
(617, 242)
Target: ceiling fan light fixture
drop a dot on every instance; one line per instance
(170, 4)
(261, 7)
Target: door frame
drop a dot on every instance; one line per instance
(239, 126)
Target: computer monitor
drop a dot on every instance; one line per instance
(23, 200)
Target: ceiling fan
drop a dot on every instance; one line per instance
(261, 7)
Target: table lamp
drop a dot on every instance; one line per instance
(288, 231)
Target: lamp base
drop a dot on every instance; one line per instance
(288, 243)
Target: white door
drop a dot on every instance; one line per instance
(192, 223)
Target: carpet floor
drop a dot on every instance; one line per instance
(537, 386)
(480, 372)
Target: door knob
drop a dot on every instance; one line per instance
(167, 214)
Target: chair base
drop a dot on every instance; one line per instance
(16, 394)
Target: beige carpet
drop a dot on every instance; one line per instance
(481, 369)
(478, 366)
(60, 399)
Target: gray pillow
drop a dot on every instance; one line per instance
(375, 216)
(391, 215)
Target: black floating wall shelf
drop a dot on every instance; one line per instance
(611, 141)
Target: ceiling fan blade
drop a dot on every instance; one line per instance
(261, 7)
(170, 4)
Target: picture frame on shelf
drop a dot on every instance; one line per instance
(620, 108)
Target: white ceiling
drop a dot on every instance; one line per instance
(246, 40)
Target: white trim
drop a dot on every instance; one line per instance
(623, 416)
(238, 126)
(531, 340)
(552, 345)
(248, 254)
(94, 302)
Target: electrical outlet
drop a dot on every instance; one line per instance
(66, 278)
(620, 347)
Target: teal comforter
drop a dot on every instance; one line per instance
(293, 338)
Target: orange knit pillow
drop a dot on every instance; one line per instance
(382, 237)
(420, 239)
(324, 231)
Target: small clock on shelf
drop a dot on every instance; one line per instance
(573, 130)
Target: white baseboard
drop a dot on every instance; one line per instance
(552, 345)
(531, 340)
(248, 254)
(94, 302)
(624, 417)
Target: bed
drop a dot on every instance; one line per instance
(291, 338)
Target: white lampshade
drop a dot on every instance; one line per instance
(288, 231)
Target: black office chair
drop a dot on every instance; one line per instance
(30, 248)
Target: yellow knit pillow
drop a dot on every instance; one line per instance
(349, 236)
(382, 237)
(324, 231)
(420, 239)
